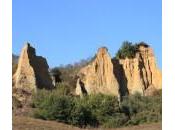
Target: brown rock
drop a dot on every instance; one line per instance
(32, 71)
(98, 76)
(141, 73)
(120, 77)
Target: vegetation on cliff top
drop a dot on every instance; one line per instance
(129, 50)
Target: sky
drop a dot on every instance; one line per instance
(66, 31)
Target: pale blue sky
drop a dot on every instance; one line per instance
(66, 31)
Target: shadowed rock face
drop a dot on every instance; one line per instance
(98, 76)
(141, 72)
(120, 77)
(32, 71)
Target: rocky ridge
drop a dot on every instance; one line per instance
(120, 76)
(103, 75)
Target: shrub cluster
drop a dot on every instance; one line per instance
(68, 73)
(95, 110)
(142, 109)
(129, 50)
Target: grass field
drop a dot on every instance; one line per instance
(26, 123)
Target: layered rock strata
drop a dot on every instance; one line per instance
(120, 76)
(98, 76)
(141, 73)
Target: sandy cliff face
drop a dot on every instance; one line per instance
(141, 73)
(32, 71)
(103, 75)
(98, 76)
(120, 77)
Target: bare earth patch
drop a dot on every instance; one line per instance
(26, 123)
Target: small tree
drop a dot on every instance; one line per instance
(127, 50)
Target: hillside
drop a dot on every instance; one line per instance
(102, 92)
(26, 123)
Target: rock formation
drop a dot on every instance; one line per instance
(103, 75)
(141, 73)
(98, 76)
(32, 71)
(120, 76)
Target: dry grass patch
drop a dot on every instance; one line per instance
(26, 123)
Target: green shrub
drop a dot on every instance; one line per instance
(82, 116)
(54, 108)
(96, 110)
(129, 50)
(68, 73)
(63, 88)
(103, 106)
(142, 109)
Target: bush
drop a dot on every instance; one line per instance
(129, 50)
(68, 73)
(63, 88)
(52, 107)
(96, 110)
(82, 116)
(142, 109)
(88, 111)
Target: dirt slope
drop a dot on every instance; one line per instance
(25, 123)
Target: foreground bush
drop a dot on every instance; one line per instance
(142, 109)
(96, 110)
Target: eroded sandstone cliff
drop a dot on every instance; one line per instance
(32, 71)
(141, 73)
(98, 76)
(120, 76)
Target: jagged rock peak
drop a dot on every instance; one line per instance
(102, 51)
(98, 77)
(32, 71)
(120, 76)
